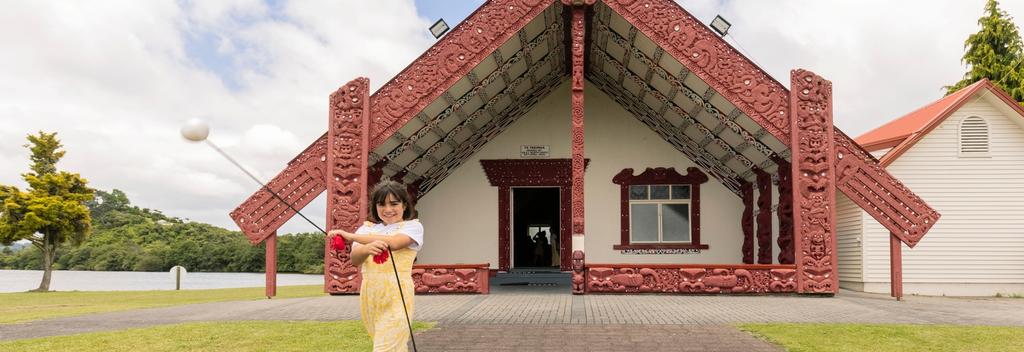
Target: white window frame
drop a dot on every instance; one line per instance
(660, 202)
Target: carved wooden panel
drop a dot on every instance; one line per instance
(747, 222)
(348, 140)
(814, 181)
(577, 120)
(655, 278)
(472, 278)
(880, 194)
(764, 217)
(298, 184)
(785, 213)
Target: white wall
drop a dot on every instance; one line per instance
(850, 249)
(977, 247)
(461, 213)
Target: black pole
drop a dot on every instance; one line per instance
(402, 295)
(393, 265)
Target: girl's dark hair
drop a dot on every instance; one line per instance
(380, 195)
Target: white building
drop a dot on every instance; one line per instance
(964, 154)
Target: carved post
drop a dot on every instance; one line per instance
(578, 163)
(764, 217)
(271, 264)
(814, 182)
(504, 228)
(896, 266)
(747, 222)
(347, 173)
(785, 240)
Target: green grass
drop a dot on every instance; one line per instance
(220, 336)
(25, 306)
(883, 337)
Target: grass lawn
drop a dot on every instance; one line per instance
(220, 336)
(25, 306)
(889, 337)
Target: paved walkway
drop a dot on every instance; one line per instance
(511, 314)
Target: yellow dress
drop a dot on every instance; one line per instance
(380, 302)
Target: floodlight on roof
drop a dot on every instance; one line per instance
(439, 28)
(720, 25)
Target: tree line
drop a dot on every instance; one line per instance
(128, 238)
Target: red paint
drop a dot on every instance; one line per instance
(347, 154)
(814, 182)
(660, 176)
(785, 240)
(764, 217)
(577, 47)
(896, 267)
(690, 278)
(451, 278)
(747, 222)
(578, 273)
(271, 265)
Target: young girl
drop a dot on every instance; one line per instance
(392, 225)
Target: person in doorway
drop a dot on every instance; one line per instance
(540, 249)
(392, 224)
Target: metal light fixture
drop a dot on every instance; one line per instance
(439, 28)
(720, 25)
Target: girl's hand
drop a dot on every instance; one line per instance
(345, 234)
(376, 247)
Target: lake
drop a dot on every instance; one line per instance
(64, 280)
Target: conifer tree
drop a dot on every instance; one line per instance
(52, 211)
(994, 52)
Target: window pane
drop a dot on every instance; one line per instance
(676, 222)
(638, 192)
(680, 192)
(659, 192)
(644, 219)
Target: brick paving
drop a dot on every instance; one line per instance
(601, 322)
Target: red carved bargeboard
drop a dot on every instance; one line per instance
(766, 101)
(454, 278)
(686, 278)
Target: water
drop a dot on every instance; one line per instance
(64, 280)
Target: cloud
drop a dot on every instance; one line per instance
(117, 79)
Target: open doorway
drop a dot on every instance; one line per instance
(535, 227)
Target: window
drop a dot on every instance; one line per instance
(660, 209)
(974, 138)
(659, 213)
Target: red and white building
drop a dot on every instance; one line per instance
(655, 156)
(965, 154)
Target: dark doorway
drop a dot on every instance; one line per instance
(535, 227)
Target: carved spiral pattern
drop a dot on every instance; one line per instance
(764, 217)
(577, 121)
(605, 278)
(747, 222)
(814, 180)
(348, 137)
(785, 213)
(437, 279)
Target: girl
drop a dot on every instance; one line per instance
(391, 224)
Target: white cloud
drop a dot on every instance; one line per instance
(116, 79)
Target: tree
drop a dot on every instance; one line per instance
(52, 211)
(995, 52)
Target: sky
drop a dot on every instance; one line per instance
(117, 79)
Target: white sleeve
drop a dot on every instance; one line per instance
(362, 230)
(414, 229)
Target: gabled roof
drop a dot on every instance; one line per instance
(902, 133)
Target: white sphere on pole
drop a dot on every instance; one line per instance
(195, 130)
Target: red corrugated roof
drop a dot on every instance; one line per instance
(904, 132)
(896, 131)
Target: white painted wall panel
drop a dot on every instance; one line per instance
(849, 232)
(980, 238)
(461, 213)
